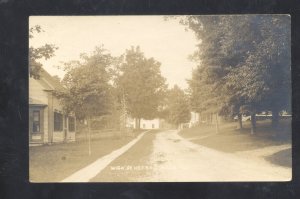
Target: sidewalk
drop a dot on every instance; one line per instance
(57, 162)
(90, 171)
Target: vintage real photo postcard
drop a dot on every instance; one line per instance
(196, 98)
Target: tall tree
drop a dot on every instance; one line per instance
(141, 83)
(88, 89)
(263, 79)
(244, 59)
(177, 106)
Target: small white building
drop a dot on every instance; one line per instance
(195, 119)
(150, 124)
(146, 124)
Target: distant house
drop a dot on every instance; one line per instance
(47, 122)
(145, 124)
(195, 119)
(150, 124)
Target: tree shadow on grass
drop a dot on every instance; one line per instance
(281, 158)
(230, 139)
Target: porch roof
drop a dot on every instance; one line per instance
(36, 102)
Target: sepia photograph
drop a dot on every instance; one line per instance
(177, 98)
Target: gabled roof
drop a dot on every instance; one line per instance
(48, 82)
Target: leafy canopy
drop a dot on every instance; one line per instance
(88, 89)
(141, 83)
(35, 54)
(177, 109)
(242, 61)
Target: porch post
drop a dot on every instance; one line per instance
(50, 117)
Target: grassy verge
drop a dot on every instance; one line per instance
(132, 165)
(56, 162)
(231, 140)
(282, 158)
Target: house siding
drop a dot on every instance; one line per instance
(56, 105)
(148, 124)
(71, 136)
(58, 136)
(36, 90)
(42, 98)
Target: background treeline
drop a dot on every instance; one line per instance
(243, 65)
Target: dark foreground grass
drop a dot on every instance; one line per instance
(282, 158)
(133, 165)
(56, 162)
(231, 140)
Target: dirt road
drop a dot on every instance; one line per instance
(165, 156)
(177, 159)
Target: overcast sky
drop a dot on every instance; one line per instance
(166, 41)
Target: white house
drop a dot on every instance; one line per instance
(47, 122)
(145, 124)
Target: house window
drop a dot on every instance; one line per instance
(153, 125)
(58, 121)
(36, 122)
(71, 124)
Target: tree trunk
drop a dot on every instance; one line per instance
(208, 119)
(86, 132)
(89, 132)
(275, 118)
(240, 121)
(138, 123)
(217, 124)
(253, 123)
(200, 119)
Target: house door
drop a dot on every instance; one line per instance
(36, 126)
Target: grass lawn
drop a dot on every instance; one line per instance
(56, 162)
(231, 140)
(132, 165)
(282, 158)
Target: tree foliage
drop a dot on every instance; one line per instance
(88, 89)
(35, 54)
(141, 83)
(177, 107)
(242, 61)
